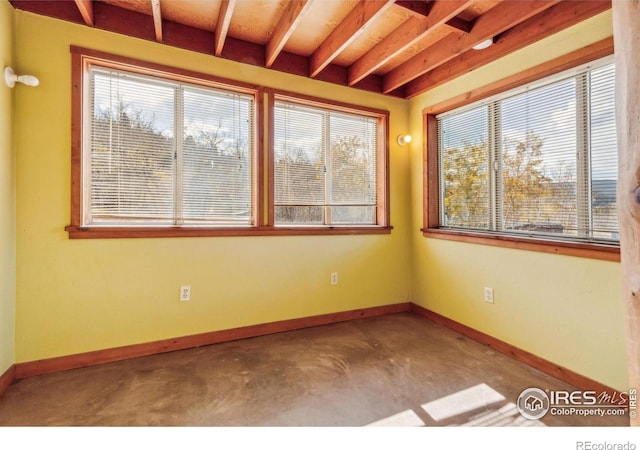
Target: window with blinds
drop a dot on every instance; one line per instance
(541, 160)
(161, 152)
(325, 165)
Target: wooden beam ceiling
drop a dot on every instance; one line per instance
(284, 29)
(222, 27)
(406, 35)
(86, 10)
(157, 19)
(400, 48)
(346, 32)
(488, 25)
(551, 21)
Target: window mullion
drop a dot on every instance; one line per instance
(326, 138)
(495, 167)
(583, 188)
(179, 156)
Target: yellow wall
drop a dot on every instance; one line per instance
(7, 196)
(565, 309)
(80, 295)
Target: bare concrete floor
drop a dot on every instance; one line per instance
(346, 374)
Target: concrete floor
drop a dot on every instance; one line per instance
(347, 374)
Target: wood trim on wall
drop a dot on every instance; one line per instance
(7, 378)
(62, 363)
(543, 365)
(43, 366)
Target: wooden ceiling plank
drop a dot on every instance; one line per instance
(86, 11)
(346, 32)
(495, 21)
(285, 28)
(157, 19)
(406, 35)
(222, 27)
(547, 23)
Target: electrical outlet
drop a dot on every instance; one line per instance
(185, 293)
(334, 278)
(488, 295)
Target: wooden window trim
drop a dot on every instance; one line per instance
(263, 176)
(431, 188)
(382, 164)
(80, 59)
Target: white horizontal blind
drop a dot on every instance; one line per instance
(166, 153)
(325, 166)
(551, 149)
(541, 134)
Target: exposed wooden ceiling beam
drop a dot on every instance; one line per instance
(157, 19)
(86, 10)
(547, 23)
(498, 19)
(407, 34)
(346, 32)
(285, 28)
(222, 27)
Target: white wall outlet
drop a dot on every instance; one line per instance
(185, 293)
(488, 295)
(334, 278)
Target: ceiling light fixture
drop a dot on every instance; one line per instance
(404, 139)
(484, 44)
(10, 78)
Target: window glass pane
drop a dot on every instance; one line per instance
(353, 168)
(539, 160)
(604, 153)
(132, 149)
(464, 143)
(166, 153)
(217, 157)
(325, 166)
(553, 158)
(300, 167)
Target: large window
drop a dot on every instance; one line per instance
(164, 152)
(537, 162)
(161, 152)
(329, 164)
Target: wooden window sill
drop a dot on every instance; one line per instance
(76, 232)
(537, 244)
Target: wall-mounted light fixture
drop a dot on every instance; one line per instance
(404, 139)
(10, 78)
(484, 44)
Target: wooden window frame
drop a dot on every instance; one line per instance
(431, 184)
(81, 58)
(263, 176)
(382, 225)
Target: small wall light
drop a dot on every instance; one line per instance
(484, 44)
(404, 139)
(10, 78)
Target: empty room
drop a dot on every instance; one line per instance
(319, 213)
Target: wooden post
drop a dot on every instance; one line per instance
(626, 32)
